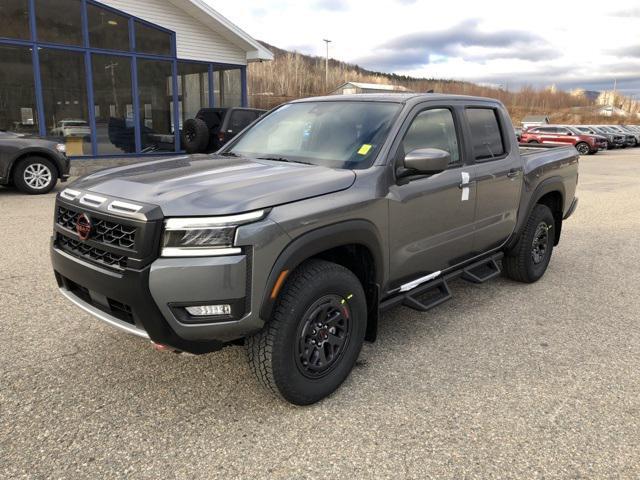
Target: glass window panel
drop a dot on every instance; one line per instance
(14, 19)
(433, 129)
(115, 126)
(107, 29)
(152, 40)
(59, 21)
(17, 93)
(64, 90)
(193, 88)
(485, 133)
(156, 105)
(228, 88)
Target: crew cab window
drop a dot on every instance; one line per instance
(486, 135)
(433, 129)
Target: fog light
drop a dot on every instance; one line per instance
(209, 310)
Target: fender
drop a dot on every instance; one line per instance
(36, 151)
(552, 184)
(360, 232)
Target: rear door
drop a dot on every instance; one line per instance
(499, 176)
(431, 216)
(565, 136)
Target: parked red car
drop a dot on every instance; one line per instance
(563, 135)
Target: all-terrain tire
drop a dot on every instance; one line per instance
(195, 135)
(275, 354)
(527, 262)
(35, 175)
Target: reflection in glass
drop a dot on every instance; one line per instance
(59, 21)
(65, 99)
(115, 126)
(228, 88)
(193, 88)
(107, 29)
(14, 19)
(156, 105)
(17, 92)
(152, 40)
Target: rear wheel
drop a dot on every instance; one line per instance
(314, 337)
(583, 148)
(195, 135)
(35, 175)
(529, 259)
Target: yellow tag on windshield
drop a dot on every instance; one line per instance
(364, 149)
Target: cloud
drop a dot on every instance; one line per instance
(626, 13)
(332, 5)
(465, 41)
(631, 51)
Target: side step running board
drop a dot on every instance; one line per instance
(483, 272)
(428, 295)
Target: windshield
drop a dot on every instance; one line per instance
(336, 134)
(576, 131)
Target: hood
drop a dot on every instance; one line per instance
(201, 185)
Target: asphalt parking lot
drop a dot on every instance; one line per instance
(506, 380)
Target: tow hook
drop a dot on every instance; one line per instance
(158, 347)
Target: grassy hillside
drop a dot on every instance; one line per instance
(293, 75)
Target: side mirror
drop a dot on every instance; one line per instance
(427, 161)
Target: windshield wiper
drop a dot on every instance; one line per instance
(229, 154)
(282, 159)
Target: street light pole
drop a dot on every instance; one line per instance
(326, 67)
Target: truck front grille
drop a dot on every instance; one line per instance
(104, 231)
(91, 253)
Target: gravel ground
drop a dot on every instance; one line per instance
(505, 380)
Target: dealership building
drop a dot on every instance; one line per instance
(118, 77)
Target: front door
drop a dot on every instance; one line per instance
(431, 217)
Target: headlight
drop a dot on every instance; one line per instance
(204, 237)
(61, 147)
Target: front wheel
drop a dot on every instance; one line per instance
(314, 337)
(528, 260)
(583, 148)
(35, 175)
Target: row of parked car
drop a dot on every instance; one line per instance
(588, 139)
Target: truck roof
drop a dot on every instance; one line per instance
(393, 97)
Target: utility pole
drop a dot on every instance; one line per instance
(326, 67)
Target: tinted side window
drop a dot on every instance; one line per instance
(433, 129)
(486, 136)
(240, 119)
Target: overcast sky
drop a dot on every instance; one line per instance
(568, 43)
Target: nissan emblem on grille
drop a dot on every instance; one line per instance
(83, 226)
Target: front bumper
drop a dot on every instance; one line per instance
(149, 302)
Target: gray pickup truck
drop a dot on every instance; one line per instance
(295, 236)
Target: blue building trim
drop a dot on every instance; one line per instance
(176, 105)
(34, 45)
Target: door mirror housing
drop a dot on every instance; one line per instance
(428, 161)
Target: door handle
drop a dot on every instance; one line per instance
(513, 173)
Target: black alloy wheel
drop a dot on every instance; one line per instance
(540, 244)
(323, 336)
